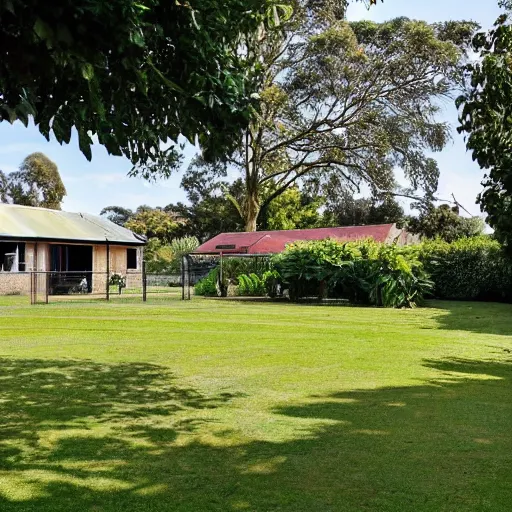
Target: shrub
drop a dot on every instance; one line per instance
(179, 247)
(117, 279)
(250, 285)
(232, 267)
(272, 283)
(207, 286)
(248, 274)
(468, 269)
(363, 272)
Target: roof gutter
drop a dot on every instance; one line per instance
(4, 238)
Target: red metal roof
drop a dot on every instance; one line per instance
(272, 242)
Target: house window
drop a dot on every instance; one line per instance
(131, 259)
(12, 257)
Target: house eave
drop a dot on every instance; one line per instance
(14, 238)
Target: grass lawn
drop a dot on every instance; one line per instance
(224, 406)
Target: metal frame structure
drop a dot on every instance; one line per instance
(196, 266)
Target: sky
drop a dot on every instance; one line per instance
(103, 182)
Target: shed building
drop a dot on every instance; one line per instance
(273, 242)
(43, 240)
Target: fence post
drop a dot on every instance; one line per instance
(108, 273)
(32, 288)
(144, 282)
(183, 277)
(47, 286)
(189, 270)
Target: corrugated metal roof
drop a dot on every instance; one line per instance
(273, 242)
(27, 223)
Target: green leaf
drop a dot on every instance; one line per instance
(10, 112)
(137, 38)
(43, 30)
(88, 71)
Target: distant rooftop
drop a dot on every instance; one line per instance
(28, 223)
(273, 242)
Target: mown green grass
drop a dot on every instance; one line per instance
(223, 406)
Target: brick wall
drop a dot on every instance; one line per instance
(14, 283)
(134, 279)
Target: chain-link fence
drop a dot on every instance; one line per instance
(134, 285)
(47, 287)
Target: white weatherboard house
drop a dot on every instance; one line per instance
(42, 240)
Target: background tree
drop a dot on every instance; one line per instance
(342, 209)
(293, 209)
(207, 217)
(117, 214)
(347, 210)
(486, 116)
(154, 223)
(386, 210)
(209, 211)
(36, 183)
(214, 202)
(3, 188)
(446, 223)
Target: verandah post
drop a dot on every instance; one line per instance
(108, 273)
(144, 282)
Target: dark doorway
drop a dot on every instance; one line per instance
(75, 264)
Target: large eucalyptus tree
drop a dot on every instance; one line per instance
(348, 102)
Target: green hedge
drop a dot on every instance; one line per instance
(363, 272)
(468, 269)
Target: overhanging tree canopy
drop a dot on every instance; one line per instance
(486, 116)
(134, 73)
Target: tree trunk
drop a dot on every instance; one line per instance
(252, 211)
(252, 205)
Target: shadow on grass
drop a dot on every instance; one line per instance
(479, 317)
(444, 445)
